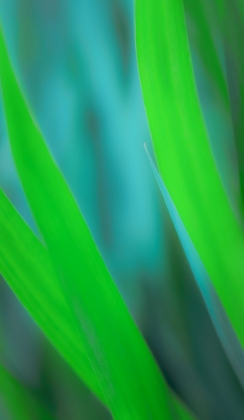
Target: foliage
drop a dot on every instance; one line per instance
(58, 272)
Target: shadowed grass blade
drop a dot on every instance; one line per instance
(183, 151)
(221, 323)
(17, 401)
(181, 413)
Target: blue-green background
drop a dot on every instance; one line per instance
(76, 63)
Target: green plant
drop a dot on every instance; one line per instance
(62, 280)
(23, 405)
(185, 158)
(103, 344)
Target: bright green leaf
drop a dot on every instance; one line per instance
(226, 335)
(129, 377)
(22, 259)
(26, 266)
(183, 151)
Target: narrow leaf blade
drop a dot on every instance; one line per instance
(218, 316)
(27, 268)
(129, 377)
(183, 151)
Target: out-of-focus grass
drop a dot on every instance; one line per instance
(108, 335)
(17, 402)
(183, 151)
(219, 319)
(200, 374)
(24, 258)
(232, 26)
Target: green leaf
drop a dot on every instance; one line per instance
(183, 151)
(22, 259)
(226, 19)
(26, 266)
(128, 375)
(233, 17)
(18, 401)
(226, 335)
(181, 412)
(203, 16)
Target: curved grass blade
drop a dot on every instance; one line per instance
(18, 402)
(220, 321)
(129, 377)
(183, 151)
(27, 268)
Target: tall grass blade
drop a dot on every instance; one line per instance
(183, 151)
(128, 375)
(26, 266)
(202, 15)
(220, 321)
(204, 21)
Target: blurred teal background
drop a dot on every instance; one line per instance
(76, 64)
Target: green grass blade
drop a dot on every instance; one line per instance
(128, 375)
(203, 21)
(183, 151)
(226, 335)
(233, 13)
(182, 412)
(19, 402)
(26, 266)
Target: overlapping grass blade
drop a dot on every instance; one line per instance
(18, 401)
(27, 268)
(220, 321)
(129, 377)
(183, 151)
